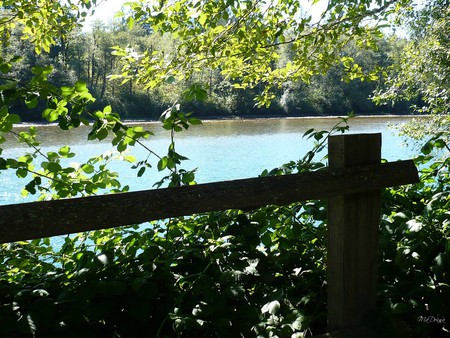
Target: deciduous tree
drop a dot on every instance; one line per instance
(242, 39)
(421, 70)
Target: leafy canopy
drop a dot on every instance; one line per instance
(421, 71)
(43, 22)
(243, 40)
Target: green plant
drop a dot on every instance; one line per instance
(195, 276)
(414, 285)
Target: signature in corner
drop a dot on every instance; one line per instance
(431, 319)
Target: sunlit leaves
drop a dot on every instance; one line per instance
(420, 71)
(65, 152)
(42, 22)
(7, 120)
(243, 38)
(271, 307)
(53, 178)
(52, 115)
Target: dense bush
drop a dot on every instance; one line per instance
(414, 284)
(199, 277)
(232, 273)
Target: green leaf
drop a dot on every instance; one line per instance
(21, 173)
(50, 115)
(130, 158)
(188, 177)
(54, 167)
(31, 103)
(427, 148)
(67, 91)
(101, 134)
(197, 92)
(107, 110)
(81, 87)
(47, 70)
(3, 111)
(400, 308)
(195, 121)
(130, 22)
(202, 19)
(141, 172)
(439, 143)
(64, 151)
(309, 131)
(88, 168)
(13, 118)
(122, 146)
(162, 163)
(319, 135)
(5, 68)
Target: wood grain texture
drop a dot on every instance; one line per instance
(353, 221)
(58, 217)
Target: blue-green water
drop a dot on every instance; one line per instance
(221, 150)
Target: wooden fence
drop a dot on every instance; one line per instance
(352, 184)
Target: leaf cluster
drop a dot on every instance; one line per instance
(198, 276)
(242, 39)
(201, 275)
(414, 249)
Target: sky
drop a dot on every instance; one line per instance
(104, 11)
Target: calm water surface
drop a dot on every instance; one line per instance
(221, 150)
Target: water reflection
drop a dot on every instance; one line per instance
(50, 135)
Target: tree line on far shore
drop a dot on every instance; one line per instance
(88, 56)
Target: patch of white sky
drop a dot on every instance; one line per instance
(104, 12)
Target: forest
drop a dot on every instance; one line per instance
(88, 56)
(233, 273)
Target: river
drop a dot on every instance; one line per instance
(221, 150)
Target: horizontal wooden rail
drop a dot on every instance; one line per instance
(58, 217)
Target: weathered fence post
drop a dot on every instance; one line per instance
(353, 222)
